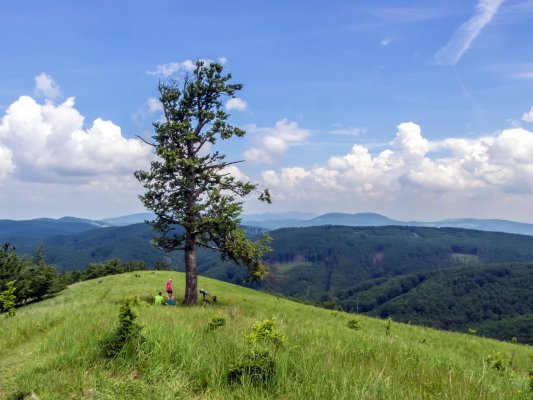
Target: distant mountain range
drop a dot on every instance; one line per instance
(41, 227)
(373, 219)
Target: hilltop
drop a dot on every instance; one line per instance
(50, 350)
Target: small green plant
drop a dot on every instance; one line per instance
(498, 361)
(531, 381)
(128, 329)
(472, 332)
(257, 366)
(388, 326)
(354, 323)
(265, 331)
(216, 323)
(7, 299)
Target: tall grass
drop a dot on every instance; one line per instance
(52, 350)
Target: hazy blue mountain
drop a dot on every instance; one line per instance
(129, 219)
(44, 227)
(495, 225)
(373, 219)
(290, 215)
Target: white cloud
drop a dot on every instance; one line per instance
(414, 168)
(6, 162)
(463, 38)
(385, 42)
(273, 143)
(528, 116)
(46, 87)
(236, 103)
(48, 143)
(154, 105)
(347, 131)
(188, 65)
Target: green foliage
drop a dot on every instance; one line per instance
(498, 361)
(216, 322)
(530, 381)
(110, 267)
(472, 331)
(186, 187)
(354, 323)
(266, 332)
(257, 366)
(34, 278)
(7, 299)
(128, 329)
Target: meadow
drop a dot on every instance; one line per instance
(52, 350)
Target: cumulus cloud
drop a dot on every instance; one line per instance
(173, 68)
(236, 103)
(273, 143)
(48, 143)
(463, 38)
(46, 87)
(528, 116)
(413, 166)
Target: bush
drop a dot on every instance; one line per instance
(216, 323)
(258, 367)
(498, 361)
(354, 323)
(265, 331)
(128, 330)
(7, 299)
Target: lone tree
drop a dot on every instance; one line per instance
(190, 189)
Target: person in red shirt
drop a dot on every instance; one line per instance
(169, 287)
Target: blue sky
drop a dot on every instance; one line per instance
(414, 109)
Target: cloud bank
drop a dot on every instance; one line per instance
(411, 166)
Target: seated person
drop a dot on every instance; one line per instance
(158, 300)
(171, 301)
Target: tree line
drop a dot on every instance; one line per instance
(30, 278)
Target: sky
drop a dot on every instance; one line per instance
(418, 110)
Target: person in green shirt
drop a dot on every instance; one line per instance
(158, 300)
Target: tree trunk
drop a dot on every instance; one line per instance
(191, 273)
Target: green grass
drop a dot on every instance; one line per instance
(51, 349)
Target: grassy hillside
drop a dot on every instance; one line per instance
(51, 350)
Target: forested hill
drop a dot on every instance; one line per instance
(435, 277)
(388, 270)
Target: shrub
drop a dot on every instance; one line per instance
(128, 329)
(354, 323)
(258, 367)
(216, 323)
(7, 299)
(472, 331)
(498, 361)
(265, 331)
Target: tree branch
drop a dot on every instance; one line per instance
(151, 144)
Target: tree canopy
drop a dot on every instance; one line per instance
(190, 186)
